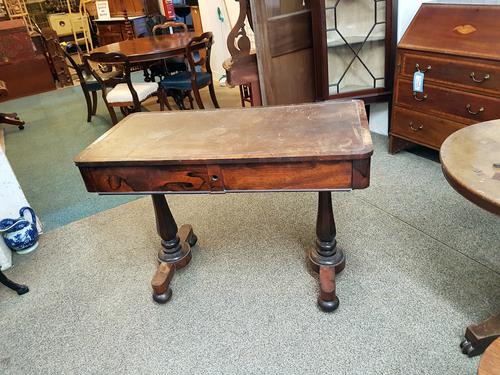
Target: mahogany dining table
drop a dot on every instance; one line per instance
(142, 52)
(151, 48)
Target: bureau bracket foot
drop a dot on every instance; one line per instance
(398, 144)
(479, 336)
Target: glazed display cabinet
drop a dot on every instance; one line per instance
(355, 44)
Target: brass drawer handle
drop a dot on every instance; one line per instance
(417, 68)
(485, 78)
(468, 107)
(417, 98)
(415, 129)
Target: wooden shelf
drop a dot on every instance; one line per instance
(332, 89)
(354, 39)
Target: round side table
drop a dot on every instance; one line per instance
(490, 361)
(470, 159)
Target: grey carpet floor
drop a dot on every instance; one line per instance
(422, 264)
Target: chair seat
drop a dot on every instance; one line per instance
(93, 85)
(182, 80)
(121, 94)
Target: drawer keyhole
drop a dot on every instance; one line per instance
(214, 178)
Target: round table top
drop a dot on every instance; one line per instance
(150, 48)
(490, 360)
(470, 159)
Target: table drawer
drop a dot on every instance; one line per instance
(472, 75)
(427, 130)
(142, 179)
(453, 104)
(288, 176)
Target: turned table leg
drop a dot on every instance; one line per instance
(176, 248)
(479, 336)
(324, 257)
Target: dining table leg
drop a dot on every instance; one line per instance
(176, 248)
(324, 257)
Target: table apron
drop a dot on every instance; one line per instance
(238, 177)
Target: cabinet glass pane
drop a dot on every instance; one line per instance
(355, 31)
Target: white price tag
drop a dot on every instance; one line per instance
(102, 7)
(418, 82)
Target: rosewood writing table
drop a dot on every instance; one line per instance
(320, 147)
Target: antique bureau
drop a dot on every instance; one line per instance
(457, 47)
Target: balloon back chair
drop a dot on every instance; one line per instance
(125, 94)
(197, 53)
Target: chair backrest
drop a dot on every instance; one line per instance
(80, 69)
(111, 60)
(198, 53)
(170, 28)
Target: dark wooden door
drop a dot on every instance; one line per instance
(284, 42)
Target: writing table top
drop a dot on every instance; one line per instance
(335, 130)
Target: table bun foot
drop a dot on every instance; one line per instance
(327, 300)
(161, 282)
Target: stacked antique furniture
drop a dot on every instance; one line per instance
(128, 20)
(23, 65)
(456, 47)
(131, 19)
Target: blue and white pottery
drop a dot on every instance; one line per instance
(20, 235)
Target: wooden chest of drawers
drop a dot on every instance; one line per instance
(457, 47)
(114, 30)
